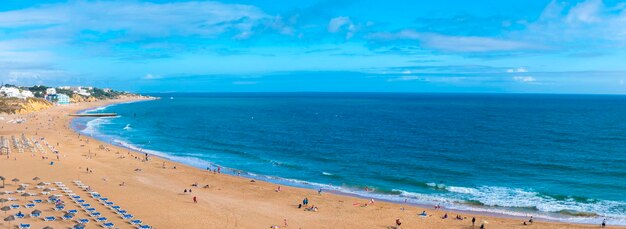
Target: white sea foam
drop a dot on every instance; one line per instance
(327, 173)
(91, 127)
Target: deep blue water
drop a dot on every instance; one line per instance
(552, 156)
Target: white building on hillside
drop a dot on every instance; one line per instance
(10, 92)
(63, 99)
(13, 92)
(26, 94)
(51, 91)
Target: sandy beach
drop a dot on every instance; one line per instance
(155, 194)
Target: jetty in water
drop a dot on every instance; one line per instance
(95, 115)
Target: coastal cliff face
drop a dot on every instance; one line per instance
(78, 98)
(20, 106)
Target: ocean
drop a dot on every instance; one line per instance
(556, 157)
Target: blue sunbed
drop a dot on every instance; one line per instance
(135, 222)
(83, 221)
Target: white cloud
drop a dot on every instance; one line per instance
(525, 79)
(587, 11)
(340, 24)
(406, 78)
(150, 76)
(517, 70)
(456, 43)
(136, 20)
(589, 21)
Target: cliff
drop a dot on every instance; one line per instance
(20, 106)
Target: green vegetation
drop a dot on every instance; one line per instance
(38, 91)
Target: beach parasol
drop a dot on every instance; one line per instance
(48, 227)
(5, 209)
(2, 201)
(41, 184)
(79, 226)
(47, 190)
(21, 188)
(68, 215)
(9, 219)
(25, 195)
(2, 179)
(15, 180)
(36, 178)
(35, 212)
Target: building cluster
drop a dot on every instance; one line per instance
(84, 91)
(51, 94)
(14, 92)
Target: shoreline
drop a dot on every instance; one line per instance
(306, 184)
(332, 199)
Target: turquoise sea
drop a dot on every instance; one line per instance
(557, 157)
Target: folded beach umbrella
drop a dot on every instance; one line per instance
(5, 209)
(9, 219)
(2, 179)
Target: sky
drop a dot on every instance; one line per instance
(523, 46)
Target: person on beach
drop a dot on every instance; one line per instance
(530, 220)
(278, 189)
(603, 223)
(285, 220)
(195, 200)
(185, 191)
(398, 223)
(319, 192)
(473, 221)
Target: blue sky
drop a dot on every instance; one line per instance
(538, 46)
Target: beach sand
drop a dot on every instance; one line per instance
(155, 195)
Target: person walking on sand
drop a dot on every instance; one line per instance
(195, 200)
(473, 221)
(398, 223)
(285, 220)
(604, 223)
